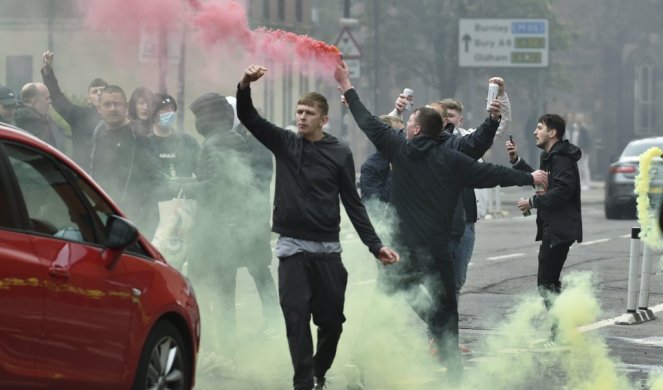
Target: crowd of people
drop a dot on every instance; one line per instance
(428, 169)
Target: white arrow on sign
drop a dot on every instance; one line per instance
(347, 45)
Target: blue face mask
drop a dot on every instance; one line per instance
(167, 119)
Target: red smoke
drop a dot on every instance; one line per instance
(126, 17)
(221, 22)
(285, 47)
(216, 23)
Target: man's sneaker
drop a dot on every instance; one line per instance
(319, 383)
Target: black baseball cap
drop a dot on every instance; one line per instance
(7, 96)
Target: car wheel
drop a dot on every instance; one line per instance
(164, 362)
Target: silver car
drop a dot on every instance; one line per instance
(620, 183)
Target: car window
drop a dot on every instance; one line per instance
(102, 209)
(637, 148)
(53, 205)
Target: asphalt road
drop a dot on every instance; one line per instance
(502, 321)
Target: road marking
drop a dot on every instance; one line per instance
(511, 256)
(602, 240)
(625, 236)
(611, 321)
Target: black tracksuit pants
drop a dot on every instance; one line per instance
(551, 262)
(312, 284)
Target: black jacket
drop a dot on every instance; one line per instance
(124, 165)
(310, 177)
(43, 127)
(82, 119)
(177, 153)
(428, 177)
(375, 178)
(226, 227)
(558, 212)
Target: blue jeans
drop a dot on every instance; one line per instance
(461, 255)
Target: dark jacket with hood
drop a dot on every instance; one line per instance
(428, 177)
(123, 163)
(82, 119)
(558, 218)
(375, 178)
(41, 126)
(310, 178)
(227, 228)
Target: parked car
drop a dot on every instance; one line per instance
(620, 182)
(86, 302)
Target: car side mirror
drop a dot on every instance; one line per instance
(120, 232)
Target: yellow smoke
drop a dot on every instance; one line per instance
(588, 365)
(656, 383)
(517, 356)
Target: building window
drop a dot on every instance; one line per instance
(644, 106)
(265, 9)
(299, 10)
(281, 10)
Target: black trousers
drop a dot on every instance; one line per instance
(437, 306)
(312, 284)
(551, 262)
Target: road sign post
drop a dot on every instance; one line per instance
(503, 43)
(351, 51)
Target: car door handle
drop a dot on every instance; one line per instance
(58, 270)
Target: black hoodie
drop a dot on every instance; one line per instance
(82, 119)
(558, 216)
(310, 177)
(427, 178)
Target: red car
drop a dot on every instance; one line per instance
(85, 300)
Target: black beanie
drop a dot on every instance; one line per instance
(213, 112)
(159, 101)
(212, 106)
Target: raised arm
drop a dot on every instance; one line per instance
(61, 104)
(516, 162)
(266, 132)
(385, 138)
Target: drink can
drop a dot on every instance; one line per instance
(493, 90)
(408, 95)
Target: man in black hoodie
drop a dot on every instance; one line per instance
(558, 219)
(313, 169)
(82, 119)
(427, 178)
